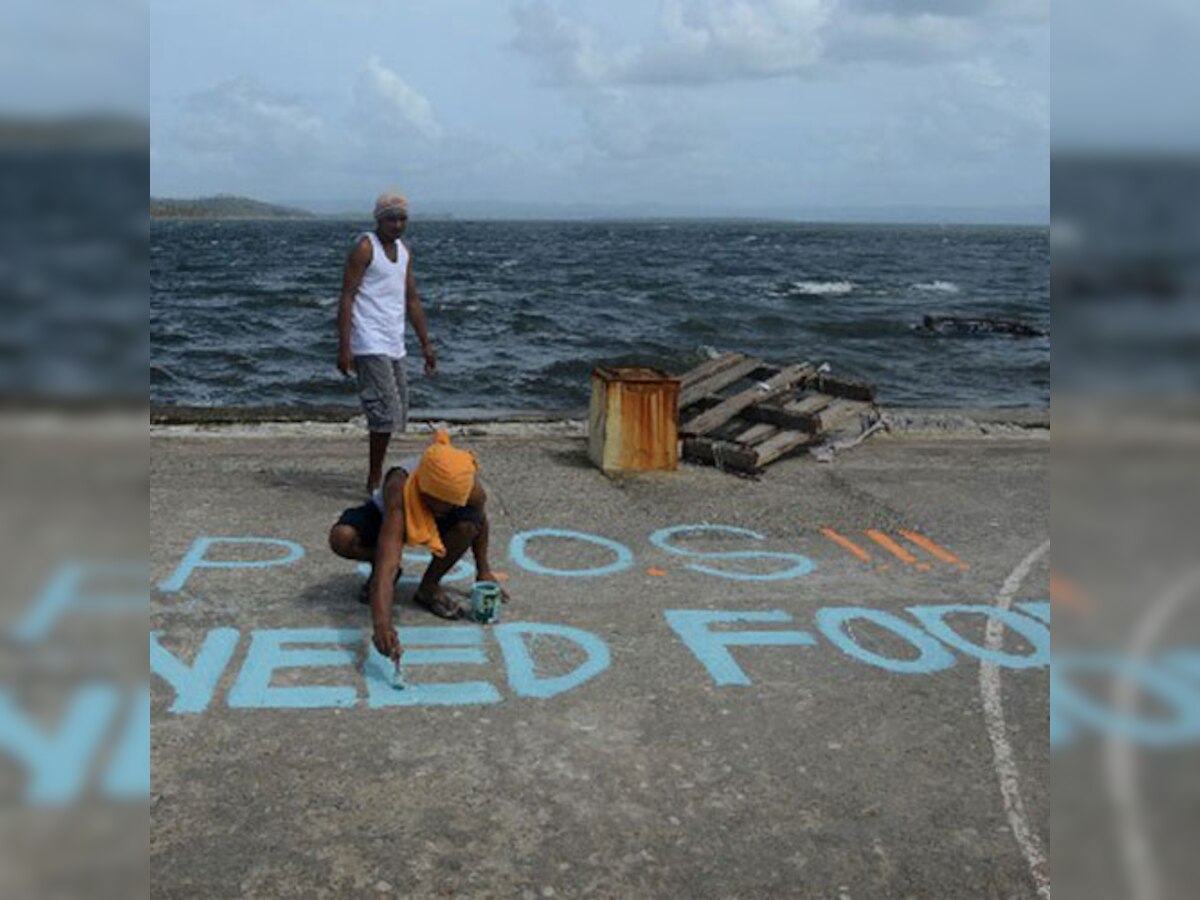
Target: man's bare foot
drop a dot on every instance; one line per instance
(438, 603)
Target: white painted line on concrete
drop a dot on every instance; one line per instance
(1119, 758)
(993, 712)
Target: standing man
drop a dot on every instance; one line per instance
(379, 293)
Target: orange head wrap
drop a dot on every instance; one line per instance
(445, 473)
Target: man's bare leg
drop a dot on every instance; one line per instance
(379, 446)
(345, 542)
(430, 592)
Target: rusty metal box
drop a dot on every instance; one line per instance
(632, 420)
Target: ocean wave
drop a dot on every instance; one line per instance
(262, 315)
(533, 323)
(823, 288)
(697, 327)
(937, 287)
(314, 301)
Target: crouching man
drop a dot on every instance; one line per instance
(435, 501)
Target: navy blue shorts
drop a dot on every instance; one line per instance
(367, 520)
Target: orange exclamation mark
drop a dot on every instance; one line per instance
(934, 550)
(846, 544)
(893, 548)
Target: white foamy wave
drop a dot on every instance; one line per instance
(938, 287)
(312, 301)
(823, 288)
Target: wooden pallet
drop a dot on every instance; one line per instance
(742, 414)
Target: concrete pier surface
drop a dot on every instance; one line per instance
(704, 686)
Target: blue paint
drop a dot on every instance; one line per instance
(445, 656)
(64, 591)
(1183, 700)
(128, 775)
(522, 671)
(1039, 609)
(442, 636)
(517, 551)
(453, 646)
(464, 568)
(267, 653)
(709, 646)
(194, 685)
(58, 764)
(1037, 634)
(800, 565)
(933, 656)
(197, 558)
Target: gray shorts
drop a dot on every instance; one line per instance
(383, 390)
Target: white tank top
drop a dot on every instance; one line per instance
(408, 464)
(377, 317)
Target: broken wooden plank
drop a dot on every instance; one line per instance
(831, 413)
(812, 403)
(715, 382)
(843, 387)
(709, 367)
(782, 417)
(755, 434)
(728, 431)
(726, 410)
(721, 454)
(784, 442)
(704, 403)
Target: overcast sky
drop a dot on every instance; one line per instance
(718, 105)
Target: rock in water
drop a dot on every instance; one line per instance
(967, 325)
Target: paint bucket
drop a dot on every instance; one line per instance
(485, 602)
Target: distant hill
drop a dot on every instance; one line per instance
(222, 207)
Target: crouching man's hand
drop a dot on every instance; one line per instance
(386, 641)
(488, 575)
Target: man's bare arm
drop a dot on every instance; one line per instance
(416, 315)
(389, 554)
(352, 276)
(483, 566)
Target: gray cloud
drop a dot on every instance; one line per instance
(251, 138)
(959, 124)
(701, 42)
(627, 127)
(239, 115)
(385, 106)
(961, 8)
(901, 39)
(245, 138)
(713, 41)
(563, 47)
